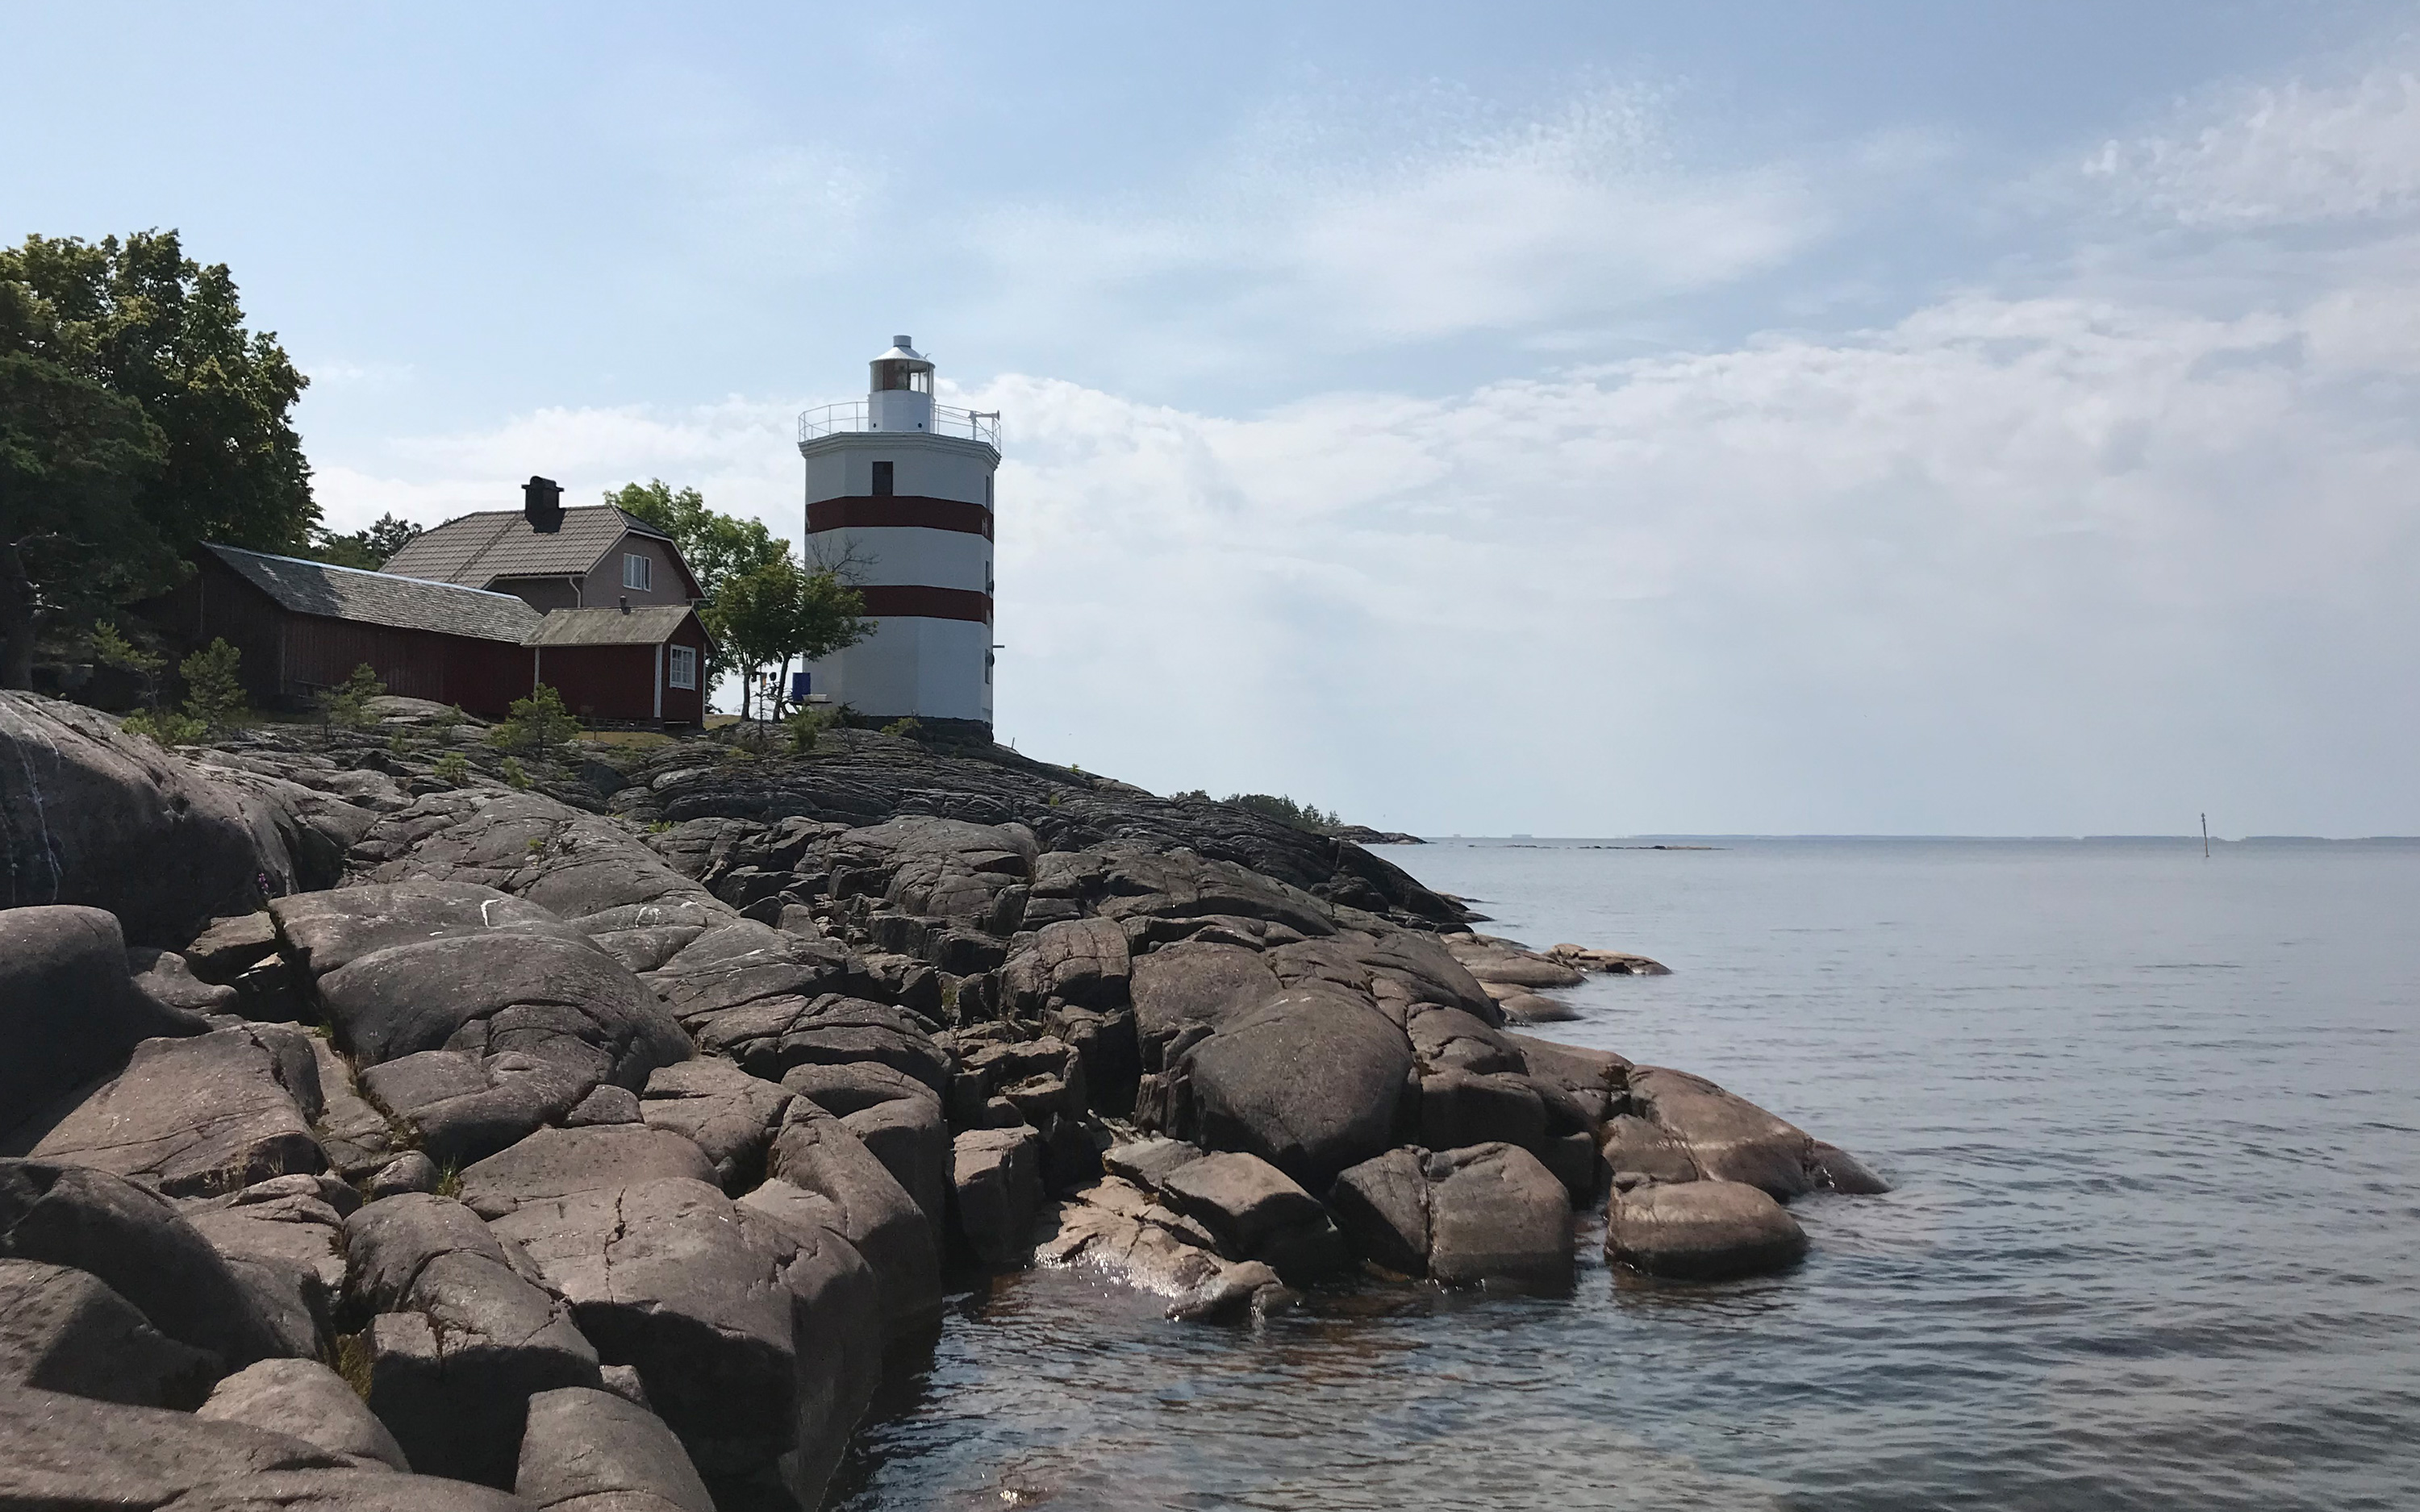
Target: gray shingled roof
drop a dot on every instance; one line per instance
(476, 550)
(644, 625)
(381, 597)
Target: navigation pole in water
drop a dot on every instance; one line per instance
(2205, 837)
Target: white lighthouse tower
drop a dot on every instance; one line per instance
(899, 496)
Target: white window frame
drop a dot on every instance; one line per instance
(680, 667)
(635, 567)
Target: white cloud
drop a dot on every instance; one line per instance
(1443, 225)
(2283, 154)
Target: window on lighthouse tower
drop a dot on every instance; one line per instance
(882, 485)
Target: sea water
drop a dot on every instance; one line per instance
(2154, 1125)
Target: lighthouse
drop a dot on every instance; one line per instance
(899, 499)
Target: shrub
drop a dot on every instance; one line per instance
(1285, 811)
(398, 744)
(512, 774)
(213, 686)
(167, 726)
(907, 728)
(111, 649)
(450, 718)
(346, 705)
(807, 726)
(451, 769)
(535, 724)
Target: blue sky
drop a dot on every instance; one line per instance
(1592, 418)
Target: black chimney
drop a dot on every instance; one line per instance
(542, 502)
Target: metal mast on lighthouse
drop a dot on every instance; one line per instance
(899, 498)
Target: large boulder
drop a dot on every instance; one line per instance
(1256, 1213)
(996, 1184)
(668, 1275)
(726, 1112)
(465, 1108)
(309, 1401)
(91, 815)
(136, 1242)
(69, 1011)
(1196, 986)
(64, 1330)
(1308, 1081)
(444, 965)
(1728, 1137)
(841, 1329)
(199, 1117)
(590, 1451)
(1496, 1213)
(461, 1335)
(1382, 1208)
(819, 1153)
(1079, 960)
(74, 1455)
(1702, 1231)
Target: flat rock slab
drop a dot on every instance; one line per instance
(137, 1243)
(58, 1451)
(194, 1117)
(309, 1401)
(1702, 1231)
(63, 1330)
(1116, 1230)
(560, 1162)
(581, 1444)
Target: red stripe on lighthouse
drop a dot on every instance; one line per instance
(908, 601)
(869, 511)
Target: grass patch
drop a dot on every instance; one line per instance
(631, 740)
(352, 1362)
(449, 1180)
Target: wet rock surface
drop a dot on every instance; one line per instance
(608, 1133)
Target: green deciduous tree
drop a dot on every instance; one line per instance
(141, 321)
(780, 612)
(73, 459)
(718, 547)
(367, 548)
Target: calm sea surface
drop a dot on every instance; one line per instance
(2155, 1125)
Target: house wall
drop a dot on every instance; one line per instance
(541, 594)
(603, 589)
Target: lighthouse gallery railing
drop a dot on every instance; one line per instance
(852, 415)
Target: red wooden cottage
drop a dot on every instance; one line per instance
(624, 664)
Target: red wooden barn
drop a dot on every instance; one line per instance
(304, 625)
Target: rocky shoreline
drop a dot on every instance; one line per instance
(378, 1133)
